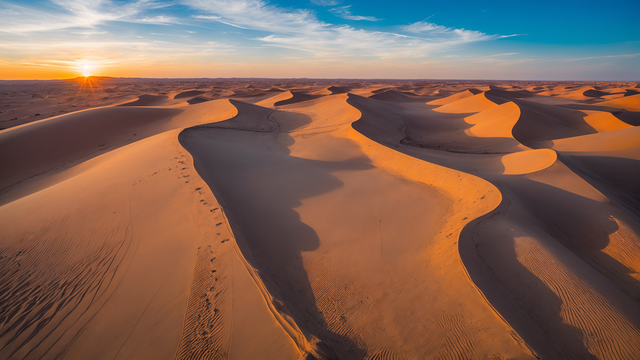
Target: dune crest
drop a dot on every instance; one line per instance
(603, 121)
(494, 122)
(469, 104)
(455, 97)
(525, 162)
(629, 103)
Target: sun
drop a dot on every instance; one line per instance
(86, 70)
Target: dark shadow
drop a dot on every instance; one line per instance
(339, 89)
(259, 185)
(492, 264)
(617, 178)
(197, 100)
(581, 224)
(59, 143)
(539, 124)
(296, 98)
(415, 124)
(147, 100)
(397, 96)
(595, 93)
(190, 93)
(630, 117)
(509, 94)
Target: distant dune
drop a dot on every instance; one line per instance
(302, 219)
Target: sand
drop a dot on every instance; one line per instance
(303, 219)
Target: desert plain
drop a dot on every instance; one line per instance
(318, 219)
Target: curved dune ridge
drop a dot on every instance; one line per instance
(147, 100)
(296, 97)
(630, 103)
(291, 219)
(469, 104)
(190, 93)
(494, 122)
(449, 99)
(603, 121)
(526, 162)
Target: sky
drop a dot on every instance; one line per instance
(347, 39)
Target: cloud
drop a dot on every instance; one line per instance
(206, 17)
(301, 30)
(624, 56)
(435, 32)
(345, 13)
(326, 2)
(89, 32)
(62, 14)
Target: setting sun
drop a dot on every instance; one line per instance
(86, 70)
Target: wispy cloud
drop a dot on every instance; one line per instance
(61, 14)
(439, 32)
(206, 17)
(326, 2)
(624, 56)
(300, 29)
(345, 13)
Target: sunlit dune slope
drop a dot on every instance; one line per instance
(630, 103)
(470, 104)
(454, 97)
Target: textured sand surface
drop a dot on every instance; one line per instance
(301, 219)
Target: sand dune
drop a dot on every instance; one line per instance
(603, 121)
(470, 104)
(540, 123)
(270, 101)
(395, 96)
(296, 97)
(455, 97)
(630, 103)
(312, 219)
(79, 135)
(147, 100)
(190, 93)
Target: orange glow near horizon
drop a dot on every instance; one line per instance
(87, 83)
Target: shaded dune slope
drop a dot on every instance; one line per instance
(147, 100)
(296, 97)
(78, 136)
(540, 123)
(469, 104)
(190, 93)
(454, 97)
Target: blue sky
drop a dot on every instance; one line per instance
(542, 40)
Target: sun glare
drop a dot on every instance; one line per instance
(86, 70)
